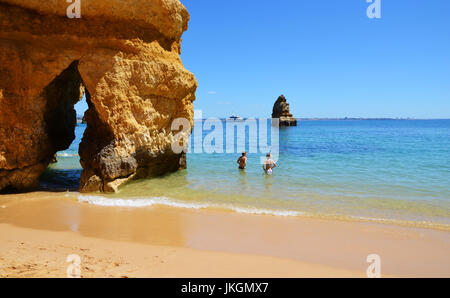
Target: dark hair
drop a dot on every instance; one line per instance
(268, 155)
(244, 153)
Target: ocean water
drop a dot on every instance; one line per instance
(372, 170)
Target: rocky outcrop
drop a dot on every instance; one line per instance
(281, 111)
(124, 56)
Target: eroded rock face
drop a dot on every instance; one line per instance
(124, 55)
(281, 111)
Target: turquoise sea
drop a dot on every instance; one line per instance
(373, 170)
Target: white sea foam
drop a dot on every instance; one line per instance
(164, 201)
(266, 211)
(139, 202)
(62, 154)
(146, 202)
(364, 218)
(102, 201)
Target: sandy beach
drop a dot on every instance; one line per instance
(39, 230)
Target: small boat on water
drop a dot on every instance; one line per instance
(234, 117)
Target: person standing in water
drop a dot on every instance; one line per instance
(242, 161)
(269, 165)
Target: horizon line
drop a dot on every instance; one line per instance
(325, 118)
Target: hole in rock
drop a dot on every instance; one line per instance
(66, 103)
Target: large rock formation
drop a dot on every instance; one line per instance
(281, 111)
(124, 55)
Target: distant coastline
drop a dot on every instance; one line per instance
(348, 119)
(80, 119)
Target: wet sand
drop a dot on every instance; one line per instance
(38, 230)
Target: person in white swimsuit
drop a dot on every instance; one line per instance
(269, 165)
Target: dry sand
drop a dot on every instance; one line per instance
(39, 230)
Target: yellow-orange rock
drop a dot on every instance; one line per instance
(124, 55)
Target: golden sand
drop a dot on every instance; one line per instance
(39, 230)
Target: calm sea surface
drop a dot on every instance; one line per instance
(383, 170)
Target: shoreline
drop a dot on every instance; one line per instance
(301, 246)
(105, 201)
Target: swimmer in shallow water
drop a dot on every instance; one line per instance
(242, 161)
(269, 165)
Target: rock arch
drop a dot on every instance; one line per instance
(126, 60)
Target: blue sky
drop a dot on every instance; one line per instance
(326, 56)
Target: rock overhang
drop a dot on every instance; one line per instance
(130, 67)
(169, 17)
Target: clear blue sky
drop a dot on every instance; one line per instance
(326, 56)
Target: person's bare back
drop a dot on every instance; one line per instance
(269, 165)
(242, 161)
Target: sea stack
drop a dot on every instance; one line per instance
(124, 56)
(281, 111)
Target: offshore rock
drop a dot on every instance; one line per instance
(281, 111)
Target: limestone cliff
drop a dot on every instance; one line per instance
(124, 55)
(281, 111)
